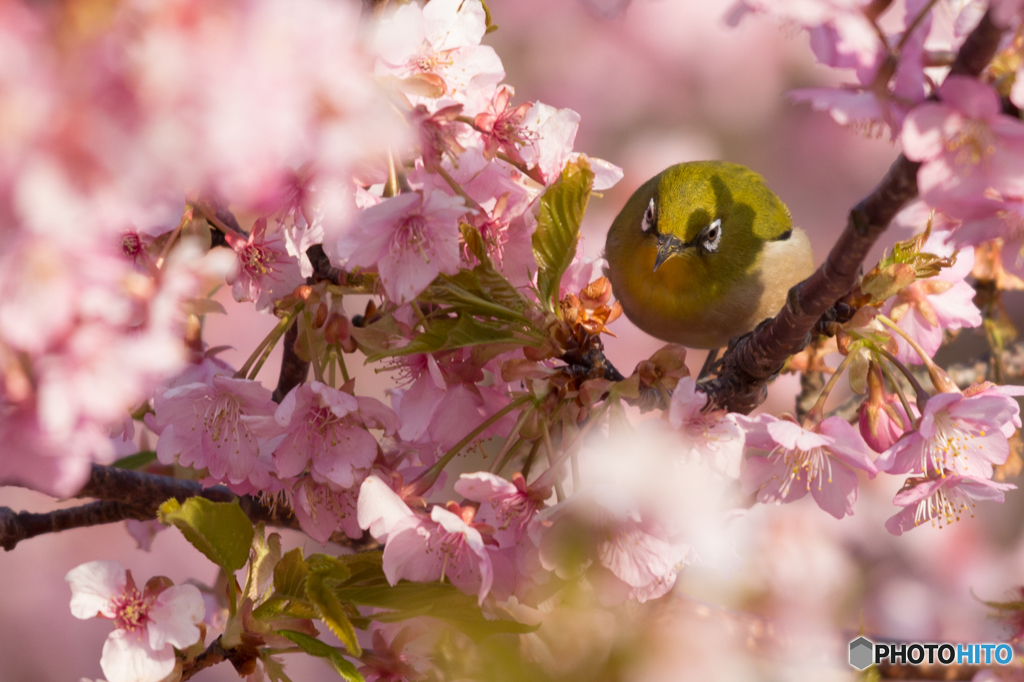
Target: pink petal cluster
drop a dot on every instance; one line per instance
(409, 238)
(714, 437)
(959, 437)
(150, 624)
(438, 547)
(442, 40)
(625, 555)
(967, 147)
(210, 425)
(927, 307)
(264, 271)
(509, 507)
(941, 501)
(822, 461)
(961, 433)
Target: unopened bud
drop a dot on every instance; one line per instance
(336, 329)
(321, 315)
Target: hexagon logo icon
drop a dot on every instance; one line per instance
(861, 653)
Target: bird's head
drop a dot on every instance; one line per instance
(697, 227)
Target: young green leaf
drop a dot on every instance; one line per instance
(263, 558)
(314, 647)
(220, 530)
(558, 227)
(290, 576)
(332, 612)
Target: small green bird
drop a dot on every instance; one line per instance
(703, 252)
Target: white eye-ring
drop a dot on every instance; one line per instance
(648, 220)
(712, 236)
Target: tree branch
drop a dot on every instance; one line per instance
(126, 494)
(757, 357)
(18, 526)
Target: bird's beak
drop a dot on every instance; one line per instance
(668, 246)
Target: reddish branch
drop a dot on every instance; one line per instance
(757, 357)
(126, 494)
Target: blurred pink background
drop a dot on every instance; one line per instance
(666, 82)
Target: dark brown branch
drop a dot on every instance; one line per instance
(127, 494)
(18, 526)
(756, 358)
(293, 368)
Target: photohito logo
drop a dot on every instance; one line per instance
(864, 652)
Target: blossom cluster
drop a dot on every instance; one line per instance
(305, 154)
(967, 138)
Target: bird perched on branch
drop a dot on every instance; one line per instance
(702, 252)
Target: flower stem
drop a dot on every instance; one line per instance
(267, 345)
(307, 327)
(505, 453)
(559, 491)
(817, 412)
(896, 385)
(939, 378)
(530, 458)
(457, 188)
(424, 481)
(594, 418)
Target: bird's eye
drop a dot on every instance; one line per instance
(647, 224)
(712, 236)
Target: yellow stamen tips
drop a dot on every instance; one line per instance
(971, 145)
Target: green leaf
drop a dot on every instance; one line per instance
(220, 530)
(326, 566)
(273, 669)
(263, 558)
(448, 333)
(332, 612)
(290, 576)
(136, 461)
(274, 606)
(558, 226)
(314, 647)
(437, 600)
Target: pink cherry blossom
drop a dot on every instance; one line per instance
(326, 430)
(966, 145)
(442, 546)
(150, 624)
(884, 94)
(410, 238)
(208, 426)
(441, 39)
(625, 555)
(265, 271)
(390, 662)
(551, 133)
(380, 508)
(445, 402)
(502, 127)
(996, 217)
(715, 437)
(438, 133)
(841, 35)
(927, 307)
(941, 500)
(323, 508)
(507, 506)
(822, 462)
(963, 433)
